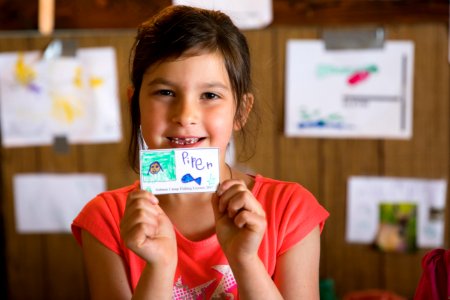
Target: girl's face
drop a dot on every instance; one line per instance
(187, 102)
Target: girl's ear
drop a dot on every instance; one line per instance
(130, 92)
(245, 109)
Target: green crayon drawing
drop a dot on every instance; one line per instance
(211, 180)
(324, 70)
(158, 166)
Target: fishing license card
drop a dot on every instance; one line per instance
(179, 170)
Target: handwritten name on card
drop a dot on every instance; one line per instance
(187, 170)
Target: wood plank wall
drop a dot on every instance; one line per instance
(49, 266)
(88, 14)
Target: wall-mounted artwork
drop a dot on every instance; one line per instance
(349, 93)
(248, 14)
(74, 97)
(396, 214)
(39, 205)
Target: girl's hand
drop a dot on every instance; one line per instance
(147, 231)
(240, 220)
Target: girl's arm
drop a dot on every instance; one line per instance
(240, 225)
(148, 232)
(297, 270)
(296, 274)
(107, 278)
(105, 270)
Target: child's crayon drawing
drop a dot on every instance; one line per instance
(355, 75)
(157, 166)
(76, 97)
(167, 171)
(188, 178)
(357, 93)
(317, 120)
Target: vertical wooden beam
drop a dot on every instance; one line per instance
(262, 59)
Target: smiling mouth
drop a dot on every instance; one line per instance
(185, 141)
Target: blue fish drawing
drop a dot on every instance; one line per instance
(188, 178)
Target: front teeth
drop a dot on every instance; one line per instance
(184, 141)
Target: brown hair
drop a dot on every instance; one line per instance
(182, 30)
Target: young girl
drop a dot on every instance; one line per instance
(255, 238)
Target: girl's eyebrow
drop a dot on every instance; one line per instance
(212, 84)
(216, 84)
(160, 80)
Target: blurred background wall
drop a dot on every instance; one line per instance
(49, 266)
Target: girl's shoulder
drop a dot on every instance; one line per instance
(122, 191)
(114, 199)
(263, 185)
(290, 203)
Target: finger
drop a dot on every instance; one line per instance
(140, 201)
(138, 222)
(225, 185)
(146, 215)
(138, 234)
(141, 194)
(138, 210)
(141, 204)
(236, 199)
(165, 226)
(226, 195)
(236, 204)
(251, 221)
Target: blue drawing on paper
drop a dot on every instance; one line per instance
(316, 120)
(188, 178)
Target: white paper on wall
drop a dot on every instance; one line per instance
(245, 14)
(349, 93)
(48, 203)
(75, 97)
(365, 193)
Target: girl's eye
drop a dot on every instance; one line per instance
(210, 96)
(165, 93)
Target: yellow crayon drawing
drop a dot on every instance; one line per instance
(75, 96)
(64, 110)
(77, 81)
(95, 82)
(24, 73)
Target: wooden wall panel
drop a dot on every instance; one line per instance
(23, 15)
(426, 155)
(24, 254)
(296, 157)
(50, 265)
(263, 64)
(324, 165)
(346, 263)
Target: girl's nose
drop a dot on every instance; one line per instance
(185, 112)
